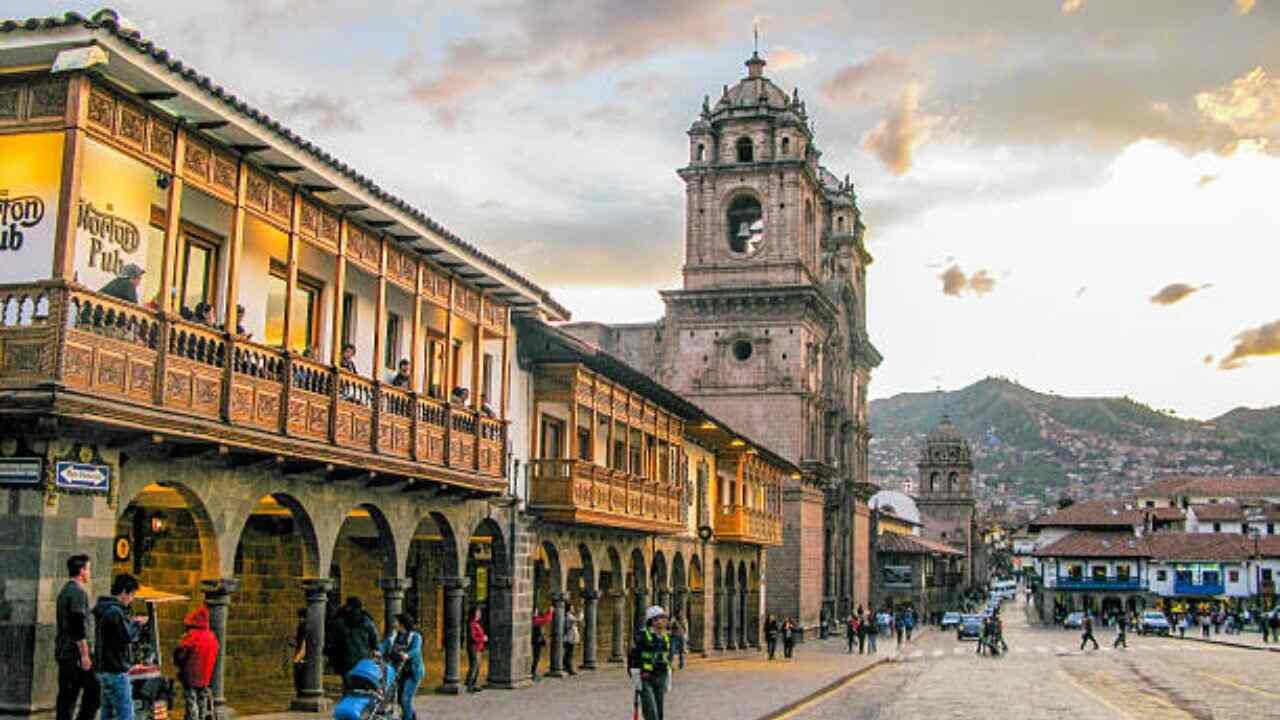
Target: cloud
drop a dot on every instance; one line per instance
(1254, 342)
(784, 58)
(895, 139)
(1081, 291)
(1205, 180)
(955, 283)
(1244, 7)
(323, 112)
(1176, 292)
(1208, 359)
(870, 80)
(1072, 6)
(1249, 105)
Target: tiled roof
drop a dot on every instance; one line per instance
(1092, 513)
(1166, 513)
(108, 20)
(1166, 487)
(912, 545)
(1197, 546)
(1211, 512)
(1214, 486)
(1268, 546)
(1092, 544)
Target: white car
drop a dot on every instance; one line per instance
(1153, 622)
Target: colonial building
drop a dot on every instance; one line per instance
(945, 495)
(769, 330)
(911, 570)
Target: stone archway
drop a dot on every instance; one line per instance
(660, 591)
(697, 607)
(613, 588)
(433, 573)
(548, 596)
(639, 596)
(488, 589)
(363, 557)
(679, 590)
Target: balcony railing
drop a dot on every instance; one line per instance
(579, 491)
(1198, 589)
(737, 523)
(1066, 582)
(53, 335)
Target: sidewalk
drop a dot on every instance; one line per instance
(743, 686)
(1251, 640)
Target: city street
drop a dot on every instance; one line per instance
(1046, 676)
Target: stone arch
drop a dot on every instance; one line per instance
(678, 577)
(934, 478)
(590, 576)
(314, 553)
(658, 572)
(489, 587)
(639, 579)
(390, 562)
(742, 208)
(744, 610)
(193, 505)
(953, 482)
(431, 561)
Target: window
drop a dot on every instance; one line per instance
(1099, 572)
(619, 455)
(1122, 572)
(585, 449)
(700, 153)
(744, 224)
(435, 368)
(746, 151)
(1162, 575)
(1233, 576)
(486, 376)
(348, 319)
(1210, 577)
(199, 270)
(304, 325)
(455, 364)
(786, 146)
(552, 438)
(391, 340)
(1075, 572)
(1151, 503)
(1217, 527)
(742, 350)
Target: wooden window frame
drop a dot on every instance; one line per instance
(195, 235)
(309, 283)
(392, 341)
(547, 422)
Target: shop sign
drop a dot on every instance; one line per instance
(110, 237)
(21, 471)
(30, 175)
(896, 576)
(18, 214)
(482, 584)
(84, 477)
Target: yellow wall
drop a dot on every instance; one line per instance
(119, 190)
(30, 177)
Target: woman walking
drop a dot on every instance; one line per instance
(477, 638)
(788, 638)
(404, 642)
(771, 634)
(572, 635)
(679, 639)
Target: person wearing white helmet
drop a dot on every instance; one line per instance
(649, 664)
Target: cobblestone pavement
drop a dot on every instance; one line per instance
(1046, 676)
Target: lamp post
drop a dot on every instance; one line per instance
(1255, 532)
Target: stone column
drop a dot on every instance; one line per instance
(742, 618)
(730, 619)
(590, 607)
(677, 606)
(502, 633)
(661, 598)
(454, 590)
(642, 604)
(557, 634)
(393, 599)
(311, 695)
(619, 619)
(217, 595)
(717, 623)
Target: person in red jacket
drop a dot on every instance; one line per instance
(475, 646)
(195, 656)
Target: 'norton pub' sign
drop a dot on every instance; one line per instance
(109, 237)
(17, 216)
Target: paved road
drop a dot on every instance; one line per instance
(1046, 677)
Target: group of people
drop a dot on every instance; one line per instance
(94, 650)
(865, 627)
(786, 631)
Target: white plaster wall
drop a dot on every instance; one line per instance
(520, 432)
(365, 289)
(400, 303)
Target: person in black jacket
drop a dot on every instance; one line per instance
(115, 634)
(771, 634)
(125, 285)
(71, 645)
(649, 663)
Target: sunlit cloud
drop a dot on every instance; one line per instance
(1244, 7)
(784, 58)
(1072, 6)
(1249, 105)
(955, 283)
(1208, 359)
(1080, 293)
(1205, 180)
(896, 138)
(869, 81)
(1176, 292)
(1255, 342)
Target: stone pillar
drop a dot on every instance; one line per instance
(217, 595)
(619, 619)
(311, 695)
(393, 599)
(502, 665)
(642, 604)
(730, 619)
(454, 590)
(718, 620)
(557, 634)
(742, 618)
(661, 598)
(590, 608)
(678, 606)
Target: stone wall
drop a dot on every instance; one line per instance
(798, 563)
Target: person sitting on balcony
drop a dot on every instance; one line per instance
(125, 285)
(486, 409)
(349, 358)
(401, 378)
(460, 395)
(241, 333)
(204, 315)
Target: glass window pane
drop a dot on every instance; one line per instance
(276, 287)
(304, 308)
(195, 283)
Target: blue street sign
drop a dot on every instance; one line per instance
(21, 471)
(88, 477)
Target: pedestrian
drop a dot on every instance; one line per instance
(679, 640)
(1182, 626)
(788, 638)
(872, 625)
(1122, 632)
(477, 638)
(771, 634)
(571, 636)
(71, 647)
(538, 641)
(299, 646)
(125, 285)
(1274, 622)
(998, 626)
(649, 664)
(898, 628)
(1086, 634)
(357, 637)
(910, 621)
(850, 632)
(1204, 625)
(403, 647)
(194, 658)
(115, 632)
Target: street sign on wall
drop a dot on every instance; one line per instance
(21, 471)
(84, 477)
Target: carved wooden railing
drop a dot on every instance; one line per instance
(583, 492)
(111, 350)
(743, 524)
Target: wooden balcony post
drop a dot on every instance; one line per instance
(415, 336)
(608, 452)
(571, 447)
(506, 365)
(379, 346)
(64, 255)
(231, 317)
(595, 423)
(335, 332)
(477, 352)
(446, 379)
(626, 440)
(291, 273)
(168, 266)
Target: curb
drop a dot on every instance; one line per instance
(823, 691)
(1224, 643)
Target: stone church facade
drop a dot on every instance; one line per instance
(769, 329)
(945, 496)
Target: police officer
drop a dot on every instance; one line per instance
(649, 663)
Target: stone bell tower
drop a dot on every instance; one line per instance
(945, 490)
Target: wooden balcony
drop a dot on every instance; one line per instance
(581, 492)
(116, 364)
(736, 523)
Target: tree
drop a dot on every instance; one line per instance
(1065, 502)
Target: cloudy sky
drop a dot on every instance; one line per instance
(1077, 194)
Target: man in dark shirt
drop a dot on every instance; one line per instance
(401, 378)
(115, 635)
(125, 285)
(348, 362)
(71, 645)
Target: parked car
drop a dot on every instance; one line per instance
(970, 627)
(1153, 622)
(1074, 621)
(949, 620)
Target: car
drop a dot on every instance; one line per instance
(970, 627)
(1074, 621)
(951, 619)
(1153, 622)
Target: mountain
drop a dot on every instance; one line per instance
(1031, 446)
